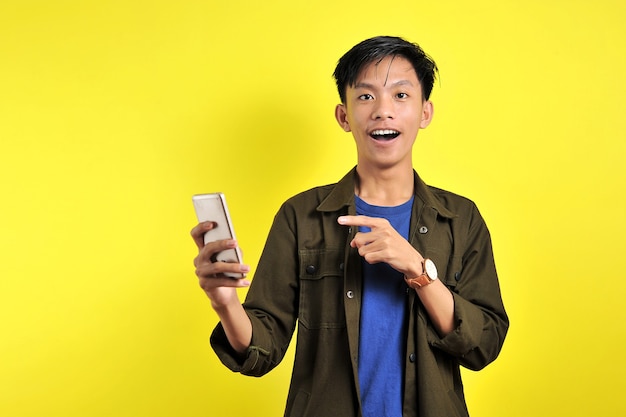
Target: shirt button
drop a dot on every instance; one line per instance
(350, 294)
(341, 266)
(412, 357)
(310, 269)
(423, 230)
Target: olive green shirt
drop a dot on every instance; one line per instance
(310, 276)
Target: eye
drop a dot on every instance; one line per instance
(402, 95)
(366, 96)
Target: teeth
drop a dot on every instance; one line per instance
(382, 132)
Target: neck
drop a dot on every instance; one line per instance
(390, 187)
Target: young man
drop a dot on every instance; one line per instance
(391, 283)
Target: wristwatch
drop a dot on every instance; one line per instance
(429, 274)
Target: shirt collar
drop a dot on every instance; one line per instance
(342, 195)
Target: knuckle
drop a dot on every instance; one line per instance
(199, 273)
(196, 231)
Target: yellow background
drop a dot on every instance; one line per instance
(113, 113)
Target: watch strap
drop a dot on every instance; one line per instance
(418, 282)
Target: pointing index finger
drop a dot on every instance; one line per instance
(356, 221)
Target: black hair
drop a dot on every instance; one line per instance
(375, 50)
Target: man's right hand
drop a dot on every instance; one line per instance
(220, 289)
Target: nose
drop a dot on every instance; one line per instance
(384, 109)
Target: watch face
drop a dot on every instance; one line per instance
(430, 268)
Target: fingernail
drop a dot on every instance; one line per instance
(341, 220)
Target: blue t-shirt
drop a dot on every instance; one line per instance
(382, 334)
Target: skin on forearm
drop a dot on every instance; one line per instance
(435, 297)
(236, 324)
(439, 304)
(220, 289)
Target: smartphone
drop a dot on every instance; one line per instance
(212, 207)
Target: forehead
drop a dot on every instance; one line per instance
(388, 69)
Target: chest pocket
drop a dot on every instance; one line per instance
(321, 288)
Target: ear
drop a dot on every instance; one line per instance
(342, 117)
(427, 114)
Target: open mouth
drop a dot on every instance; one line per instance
(384, 134)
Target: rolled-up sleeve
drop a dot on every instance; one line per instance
(482, 322)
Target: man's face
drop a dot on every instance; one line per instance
(384, 111)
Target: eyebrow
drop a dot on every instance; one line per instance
(395, 84)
